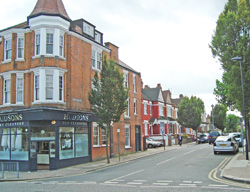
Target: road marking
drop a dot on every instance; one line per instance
(134, 183)
(162, 181)
(212, 176)
(118, 178)
(188, 152)
(166, 161)
(186, 184)
(187, 181)
(218, 185)
(162, 184)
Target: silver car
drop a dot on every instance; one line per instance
(226, 144)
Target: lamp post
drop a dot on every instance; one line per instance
(243, 97)
(212, 115)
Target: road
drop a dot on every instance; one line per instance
(193, 168)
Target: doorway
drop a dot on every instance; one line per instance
(138, 138)
(40, 155)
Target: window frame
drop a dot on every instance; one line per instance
(20, 47)
(95, 126)
(127, 133)
(49, 43)
(7, 90)
(7, 49)
(19, 89)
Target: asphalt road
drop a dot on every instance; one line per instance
(193, 168)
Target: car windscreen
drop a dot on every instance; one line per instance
(222, 139)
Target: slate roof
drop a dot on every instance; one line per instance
(49, 7)
(151, 94)
(125, 66)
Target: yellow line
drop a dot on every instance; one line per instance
(212, 176)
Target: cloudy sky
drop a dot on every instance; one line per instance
(165, 40)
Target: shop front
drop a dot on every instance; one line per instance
(45, 138)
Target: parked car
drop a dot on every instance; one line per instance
(203, 138)
(238, 137)
(212, 136)
(153, 143)
(226, 144)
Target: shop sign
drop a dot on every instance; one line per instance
(11, 118)
(72, 117)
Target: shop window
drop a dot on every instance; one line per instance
(14, 140)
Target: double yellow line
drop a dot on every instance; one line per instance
(213, 175)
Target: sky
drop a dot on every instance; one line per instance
(167, 41)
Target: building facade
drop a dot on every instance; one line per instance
(46, 67)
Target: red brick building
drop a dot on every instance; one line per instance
(46, 66)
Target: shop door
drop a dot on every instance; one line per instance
(40, 155)
(33, 156)
(138, 137)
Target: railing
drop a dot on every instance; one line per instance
(9, 169)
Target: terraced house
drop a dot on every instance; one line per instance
(46, 67)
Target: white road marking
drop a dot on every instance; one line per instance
(166, 161)
(188, 152)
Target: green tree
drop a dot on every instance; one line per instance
(108, 98)
(190, 112)
(232, 123)
(231, 39)
(220, 114)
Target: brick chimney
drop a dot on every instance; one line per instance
(114, 51)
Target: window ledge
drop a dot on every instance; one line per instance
(128, 147)
(127, 117)
(12, 105)
(6, 61)
(48, 102)
(95, 69)
(20, 59)
(38, 56)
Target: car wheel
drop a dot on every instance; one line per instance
(209, 143)
(150, 146)
(215, 152)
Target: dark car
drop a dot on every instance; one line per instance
(212, 136)
(203, 138)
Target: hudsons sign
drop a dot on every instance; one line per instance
(11, 118)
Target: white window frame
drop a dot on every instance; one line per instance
(49, 86)
(7, 48)
(169, 110)
(145, 107)
(96, 133)
(127, 136)
(20, 47)
(61, 45)
(126, 113)
(41, 73)
(19, 88)
(88, 29)
(125, 76)
(96, 58)
(161, 109)
(49, 43)
(37, 44)
(134, 83)
(150, 105)
(135, 107)
(104, 137)
(146, 126)
(7, 89)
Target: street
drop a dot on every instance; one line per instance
(193, 168)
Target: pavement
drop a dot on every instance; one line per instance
(238, 169)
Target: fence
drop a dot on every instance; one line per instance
(9, 169)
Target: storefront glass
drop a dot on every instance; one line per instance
(14, 140)
(73, 142)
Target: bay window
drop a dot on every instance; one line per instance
(49, 43)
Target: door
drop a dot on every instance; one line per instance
(33, 156)
(138, 138)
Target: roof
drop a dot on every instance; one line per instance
(49, 7)
(125, 66)
(151, 94)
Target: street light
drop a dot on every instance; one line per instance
(212, 115)
(243, 96)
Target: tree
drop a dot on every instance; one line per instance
(108, 98)
(220, 114)
(231, 39)
(232, 123)
(190, 112)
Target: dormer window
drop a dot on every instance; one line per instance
(98, 37)
(88, 29)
